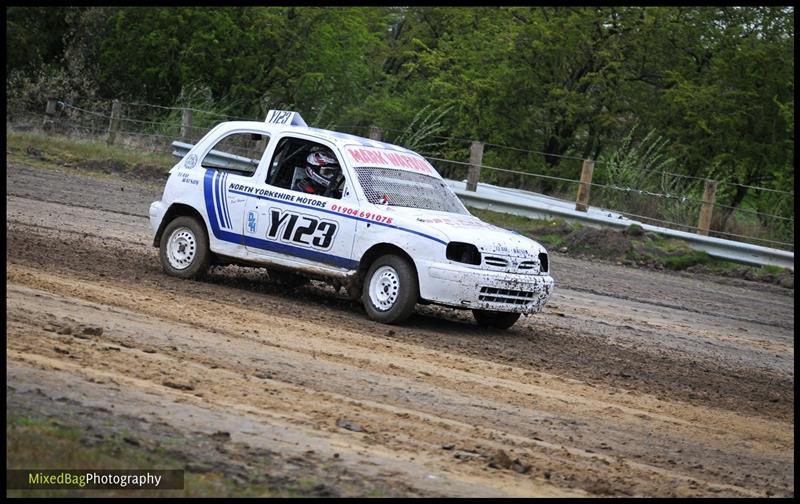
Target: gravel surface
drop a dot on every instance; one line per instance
(630, 382)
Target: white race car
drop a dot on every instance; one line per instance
(369, 216)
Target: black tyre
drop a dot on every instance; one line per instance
(184, 249)
(390, 290)
(498, 320)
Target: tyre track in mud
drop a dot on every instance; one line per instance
(779, 324)
(480, 412)
(589, 407)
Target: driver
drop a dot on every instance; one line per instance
(321, 174)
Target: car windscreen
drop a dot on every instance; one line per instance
(408, 189)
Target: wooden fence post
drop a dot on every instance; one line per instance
(475, 162)
(49, 113)
(582, 199)
(375, 133)
(113, 124)
(706, 209)
(186, 124)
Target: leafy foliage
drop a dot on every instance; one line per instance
(716, 83)
(418, 135)
(640, 180)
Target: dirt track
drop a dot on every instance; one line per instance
(630, 382)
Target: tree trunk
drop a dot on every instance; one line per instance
(738, 197)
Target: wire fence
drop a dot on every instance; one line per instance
(636, 192)
(598, 162)
(676, 205)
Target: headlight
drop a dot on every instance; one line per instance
(545, 267)
(463, 253)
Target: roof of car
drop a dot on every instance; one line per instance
(337, 137)
(362, 151)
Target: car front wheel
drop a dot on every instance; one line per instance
(391, 290)
(184, 248)
(498, 320)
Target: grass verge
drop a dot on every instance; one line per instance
(58, 152)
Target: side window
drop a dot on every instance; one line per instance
(307, 167)
(238, 153)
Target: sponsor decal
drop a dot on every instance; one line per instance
(355, 212)
(456, 222)
(501, 248)
(298, 198)
(367, 156)
(301, 229)
(252, 221)
(187, 178)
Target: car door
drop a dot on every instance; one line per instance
(231, 162)
(288, 224)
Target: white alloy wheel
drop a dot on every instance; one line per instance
(390, 289)
(181, 248)
(184, 249)
(384, 287)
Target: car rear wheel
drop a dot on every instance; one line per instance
(390, 290)
(184, 249)
(498, 320)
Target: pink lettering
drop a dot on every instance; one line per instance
(356, 155)
(373, 156)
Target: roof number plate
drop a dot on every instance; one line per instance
(286, 117)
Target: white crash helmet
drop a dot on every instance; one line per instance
(322, 167)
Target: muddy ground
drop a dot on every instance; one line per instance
(630, 382)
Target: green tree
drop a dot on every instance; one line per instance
(731, 110)
(716, 82)
(34, 36)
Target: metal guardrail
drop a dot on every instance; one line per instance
(180, 149)
(538, 206)
(217, 158)
(542, 207)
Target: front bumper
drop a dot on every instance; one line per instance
(465, 287)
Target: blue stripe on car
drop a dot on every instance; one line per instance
(215, 195)
(225, 199)
(221, 201)
(208, 194)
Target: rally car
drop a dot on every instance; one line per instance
(374, 218)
